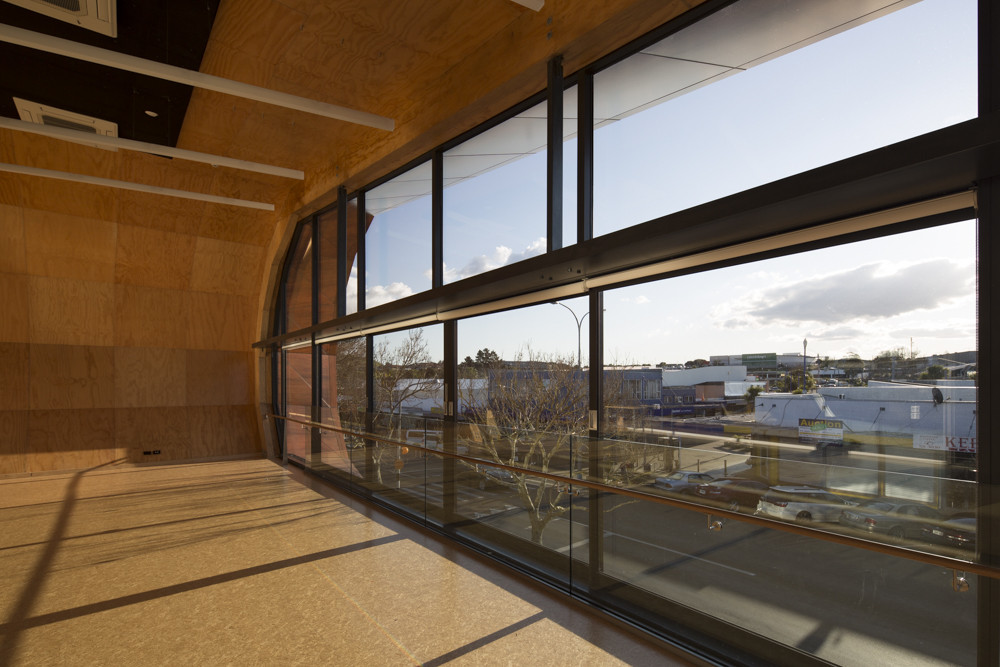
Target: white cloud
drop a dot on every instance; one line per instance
(946, 332)
(379, 294)
(870, 292)
(501, 256)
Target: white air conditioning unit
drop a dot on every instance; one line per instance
(97, 15)
(33, 112)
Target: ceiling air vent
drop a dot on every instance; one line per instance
(97, 15)
(33, 112)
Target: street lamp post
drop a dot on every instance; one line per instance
(804, 343)
(579, 332)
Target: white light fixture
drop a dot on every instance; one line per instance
(97, 15)
(83, 129)
(64, 47)
(138, 187)
(143, 147)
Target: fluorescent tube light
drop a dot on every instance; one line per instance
(138, 187)
(65, 47)
(143, 147)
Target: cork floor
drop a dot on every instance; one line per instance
(246, 562)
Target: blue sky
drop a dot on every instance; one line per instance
(895, 77)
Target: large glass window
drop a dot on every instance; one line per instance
(298, 402)
(398, 242)
(751, 95)
(344, 404)
(523, 404)
(409, 396)
(326, 278)
(298, 282)
(834, 388)
(494, 197)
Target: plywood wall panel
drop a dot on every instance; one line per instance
(237, 65)
(218, 377)
(220, 321)
(85, 201)
(239, 225)
(227, 268)
(141, 430)
(13, 442)
(169, 214)
(215, 129)
(71, 312)
(154, 258)
(150, 317)
(223, 431)
(15, 321)
(14, 365)
(150, 376)
(35, 150)
(259, 28)
(72, 377)
(10, 189)
(67, 246)
(70, 439)
(11, 240)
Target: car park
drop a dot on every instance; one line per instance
(733, 492)
(682, 481)
(802, 503)
(898, 520)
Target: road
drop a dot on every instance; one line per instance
(846, 605)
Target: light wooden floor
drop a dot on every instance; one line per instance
(240, 562)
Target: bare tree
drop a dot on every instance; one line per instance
(535, 417)
(400, 375)
(535, 406)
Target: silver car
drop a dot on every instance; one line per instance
(683, 481)
(801, 503)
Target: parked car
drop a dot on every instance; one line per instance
(683, 481)
(886, 517)
(801, 503)
(956, 532)
(483, 476)
(733, 492)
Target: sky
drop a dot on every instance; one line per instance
(899, 76)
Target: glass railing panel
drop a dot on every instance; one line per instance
(839, 603)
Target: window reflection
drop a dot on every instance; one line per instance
(397, 245)
(751, 95)
(409, 397)
(494, 197)
(298, 283)
(867, 429)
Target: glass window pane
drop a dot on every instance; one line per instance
(352, 254)
(298, 397)
(326, 224)
(842, 382)
(409, 400)
(494, 197)
(298, 285)
(523, 408)
(398, 242)
(344, 404)
(751, 95)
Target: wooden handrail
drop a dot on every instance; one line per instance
(815, 533)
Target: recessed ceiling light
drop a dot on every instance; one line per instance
(152, 114)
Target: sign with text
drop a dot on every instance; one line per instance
(759, 362)
(821, 429)
(944, 443)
